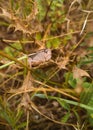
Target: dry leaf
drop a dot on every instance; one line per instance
(62, 64)
(29, 25)
(78, 73)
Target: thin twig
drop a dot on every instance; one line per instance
(85, 22)
(84, 25)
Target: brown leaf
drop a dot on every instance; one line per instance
(78, 73)
(62, 64)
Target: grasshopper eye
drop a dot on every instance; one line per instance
(46, 50)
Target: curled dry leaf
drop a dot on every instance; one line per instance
(78, 73)
(39, 57)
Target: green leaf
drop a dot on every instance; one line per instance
(22, 125)
(70, 80)
(9, 51)
(87, 62)
(65, 118)
(86, 95)
(90, 48)
(86, 84)
(67, 101)
(89, 34)
(38, 36)
(18, 116)
(48, 44)
(54, 43)
(64, 104)
(72, 83)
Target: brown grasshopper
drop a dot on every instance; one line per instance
(39, 57)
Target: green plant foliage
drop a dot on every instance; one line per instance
(24, 7)
(42, 9)
(8, 115)
(87, 98)
(9, 51)
(4, 24)
(89, 34)
(13, 51)
(65, 117)
(50, 8)
(90, 112)
(71, 102)
(64, 104)
(38, 36)
(21, 126)
(87, 94)
(54, 43)
(70, 80)
(88, 59)
(14, 6)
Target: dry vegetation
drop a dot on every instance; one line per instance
(46, 65)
